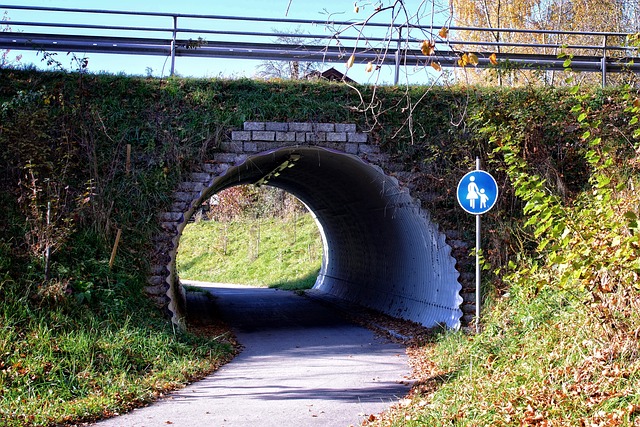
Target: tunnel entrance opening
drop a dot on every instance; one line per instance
(380, 248)
(250, 235)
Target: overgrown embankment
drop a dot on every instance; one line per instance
(67, 188)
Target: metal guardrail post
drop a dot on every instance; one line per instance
(173, 44)
(604, 61)
(396, 77)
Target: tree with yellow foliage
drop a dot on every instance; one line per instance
(619, 16)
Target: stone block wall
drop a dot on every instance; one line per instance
(254, 138)
(257, 137)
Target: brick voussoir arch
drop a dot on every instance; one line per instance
(162, 286)
(398, 237)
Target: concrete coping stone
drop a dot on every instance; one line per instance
(254, 126)
(346, 127)
(157, 281)
(172, 216)
(285, 136)
(300, 127)
(263, 135)
(368, 149)
(156, 290)
(357, 137)
(229, 157)
(293, 127)
(336, 136)
(200, 177)
(277, 126)
(215, 168)
(240, 135)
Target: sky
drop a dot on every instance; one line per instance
(342, 10)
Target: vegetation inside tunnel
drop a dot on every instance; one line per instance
(260, 236)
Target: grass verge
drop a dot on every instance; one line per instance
(542, 360)
(63, 361)
(550, 352)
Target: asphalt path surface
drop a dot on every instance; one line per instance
(302, 364)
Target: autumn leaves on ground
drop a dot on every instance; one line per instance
(542, 360)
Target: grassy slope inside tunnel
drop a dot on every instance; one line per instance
(275, 252)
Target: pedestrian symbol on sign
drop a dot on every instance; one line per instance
(472, 192)
(477, 192)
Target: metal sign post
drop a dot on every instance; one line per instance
(477, 193)
(478, 270)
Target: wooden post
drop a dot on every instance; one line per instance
(115, 248)
(47, 250)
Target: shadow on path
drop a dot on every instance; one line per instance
(302, 364)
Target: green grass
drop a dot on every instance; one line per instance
(62, 361)
(545, 359)
(274, 252)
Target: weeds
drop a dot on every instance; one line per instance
(66, 358)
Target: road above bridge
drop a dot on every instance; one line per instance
(302, 364)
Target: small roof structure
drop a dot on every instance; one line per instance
(331, 74)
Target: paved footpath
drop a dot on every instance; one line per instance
(302, 365)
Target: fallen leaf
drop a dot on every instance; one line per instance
(404, 402)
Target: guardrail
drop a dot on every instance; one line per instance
(383, 44)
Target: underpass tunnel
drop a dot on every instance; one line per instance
(381, 250)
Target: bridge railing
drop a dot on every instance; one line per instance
(398, 44)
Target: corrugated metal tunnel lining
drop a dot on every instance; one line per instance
(380, 249)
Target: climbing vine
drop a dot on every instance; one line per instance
(590, 243)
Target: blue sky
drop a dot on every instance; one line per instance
(342, 10)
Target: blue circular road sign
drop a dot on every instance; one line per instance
(477, 192)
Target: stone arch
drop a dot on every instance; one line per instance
(381, 249)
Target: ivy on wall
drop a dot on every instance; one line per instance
(64, 138)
